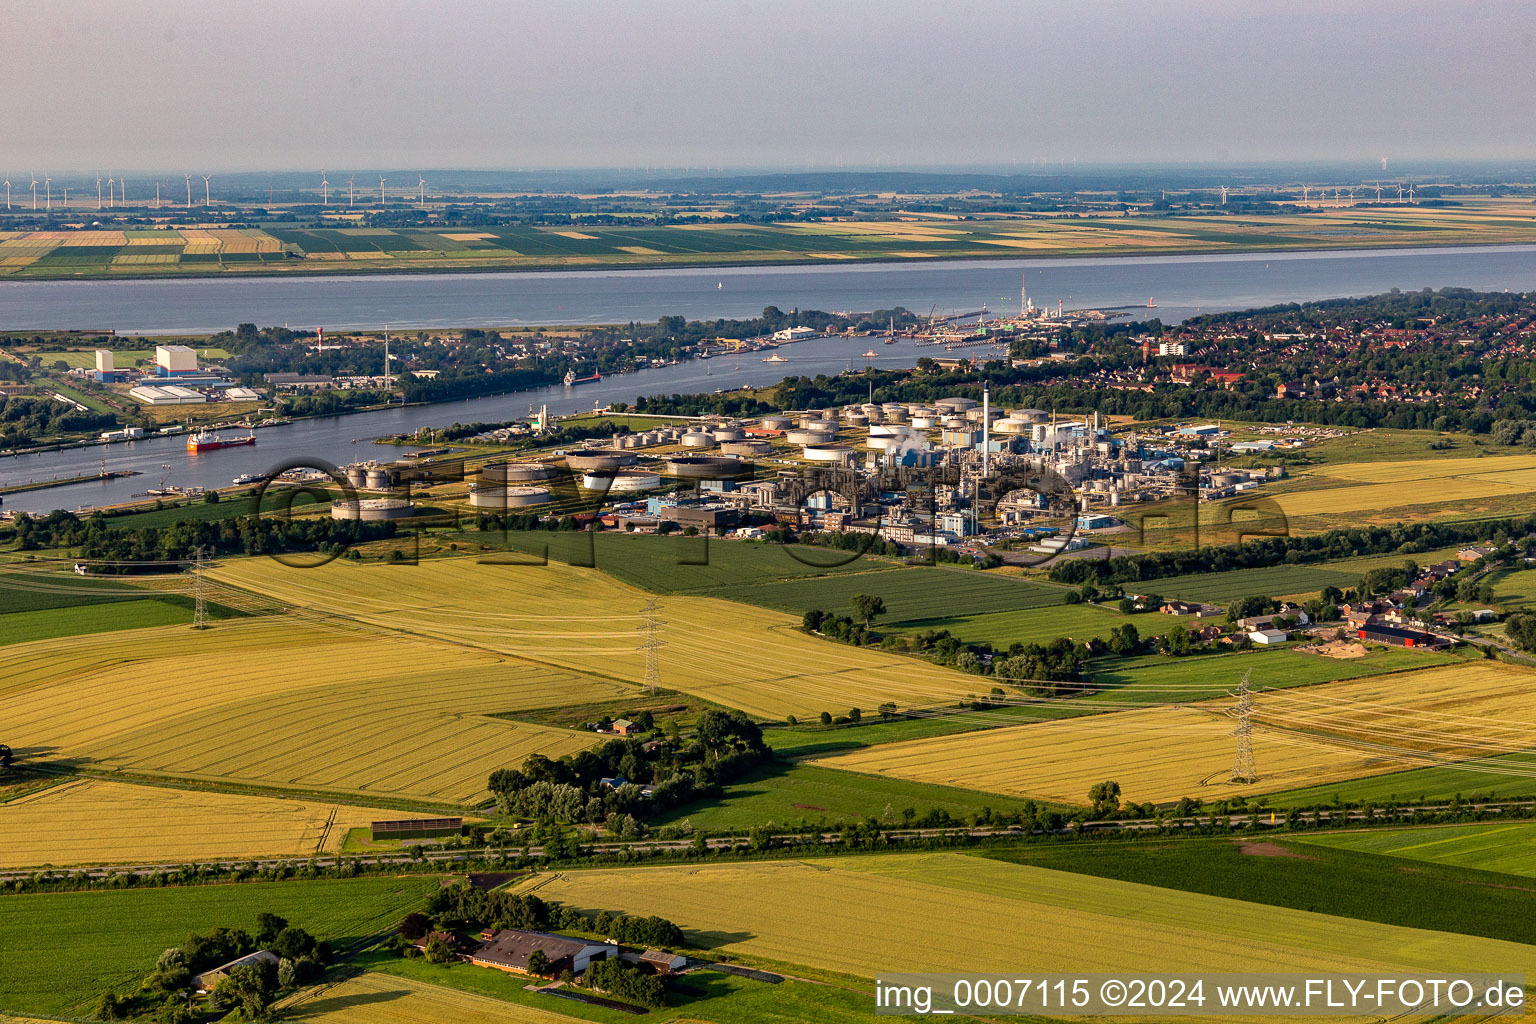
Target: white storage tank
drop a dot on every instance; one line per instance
(697, 439)
(372, 510)
(377, 479)
(497, 495)
(827, 452)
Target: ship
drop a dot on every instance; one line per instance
(203, 441)
(775, 358)
(248, 478)
(571, 378)
(1151, 303)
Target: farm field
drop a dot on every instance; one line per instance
(1304, 736)
(86, 357)
(372, 998)
(1502, 775)
(920, 593)
(1309, 872)
(1371, 486)
(581, 620)
(289, 703)
(953, 912)
(787, 794)
(17, 627)
(1507, 848)
(65, 949)
(1039, 625)
(1270, 581)
(288, 249)
(96, 822)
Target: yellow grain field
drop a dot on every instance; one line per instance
(97, 822)
(1304, 736)
(155, 238)
(584, 621)
(384, 999)
(1157, 754)
(79, 238)
(199, 242)
(1369, 486)
(946, 912)
(288, 704)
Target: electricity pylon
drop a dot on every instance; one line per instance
(652, 643)
(199, 599)
(1243, 768)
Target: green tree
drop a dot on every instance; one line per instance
(867, 606)
(1105, 797)
(538, 963)
(250, 988)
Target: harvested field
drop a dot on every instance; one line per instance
(98, 822)
(387, 999)
(951, 912)
(1369, 486)
(580, 620)
(287, 704)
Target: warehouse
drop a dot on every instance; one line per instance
(166, 394)
(509, 948)
(1382, 634)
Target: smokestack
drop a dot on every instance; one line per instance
(986, 430)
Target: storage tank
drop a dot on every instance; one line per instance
(705, 467)
(514, 472)
(801, 435)
(922, 422)
(727, 434)
(956, 404)
(697, 439)
(357, 475)
(377, 479)
(745, 448)
(1010, 426)
(856, 419)
(623, 481)
(588, 459)
(775, 422)
(497, 495)
(372, 510)
(827, 452)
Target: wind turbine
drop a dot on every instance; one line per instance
(1378, 187)
(48, 192)
(111, 191)
(189, 191)
(1223, 195)
(1399, 193)
(325, 187)
(122, 190)
(1304, 190)
(157, 193)
(381, 190)
(34, 193)
(1410, 193)
(7, 193)
(421, 184)
(207, 192)
(351, 199)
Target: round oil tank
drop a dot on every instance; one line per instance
(514, 472)
(697, 439)
(704, 467)
(800, 435)
(357, 476)
(1010, 426)
(625, 480)
(372, 510)
(1033, 415)
(922, 422)
(856, 419)
(727, 434)
(883, 444)
(745, 448)
(953, 422)
(888, 429)
(589, 459)
(496, 495)
(956, 404)
(826, 452)
(376, 480)
(775, 422)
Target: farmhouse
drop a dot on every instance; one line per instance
(509, 949)
(209, 980)
(1396, 635)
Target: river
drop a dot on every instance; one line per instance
(1182, 285)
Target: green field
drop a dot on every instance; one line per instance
(122, 357)
(910, 594)
(62, 950)
(1429, 784)
(1298, 873)
(1506, 848)
(1037, 625)
(42, 625)
(1271, 581)
(28, 590)
(780, 795)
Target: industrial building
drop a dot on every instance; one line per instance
(166, 394)
(175, 360)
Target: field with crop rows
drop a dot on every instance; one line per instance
(583, 621)
(1305, 736)
(287, 704)
(1372, 486)
(1039, 625)
(951, 912)
(1510, 848)
(386, 999)
(909, 594)
(65, 949)
(97, 822)
(1270, 581)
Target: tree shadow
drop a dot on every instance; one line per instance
(335, 1004)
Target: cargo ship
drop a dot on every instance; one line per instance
(203, 441)
(571, 378)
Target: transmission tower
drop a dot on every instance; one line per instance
(200, 602)
(652, 643)
(1243, 768)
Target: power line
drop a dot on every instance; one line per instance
(1243, 768)
(652, 643)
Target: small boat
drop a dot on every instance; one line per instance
(869, 354)
(775, 358)
(203, 441)
(571, 378)
(247, 478)
(1151, 303)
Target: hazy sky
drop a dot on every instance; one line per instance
(167, 85)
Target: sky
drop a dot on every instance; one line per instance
(173, 85)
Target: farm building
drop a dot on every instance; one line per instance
(624, 727)
(1268, 636)
(208, 980)
(663, 962)
(417, 828)
(1396, 635)
(509, 949)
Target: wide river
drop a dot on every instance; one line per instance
(1182, 286)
